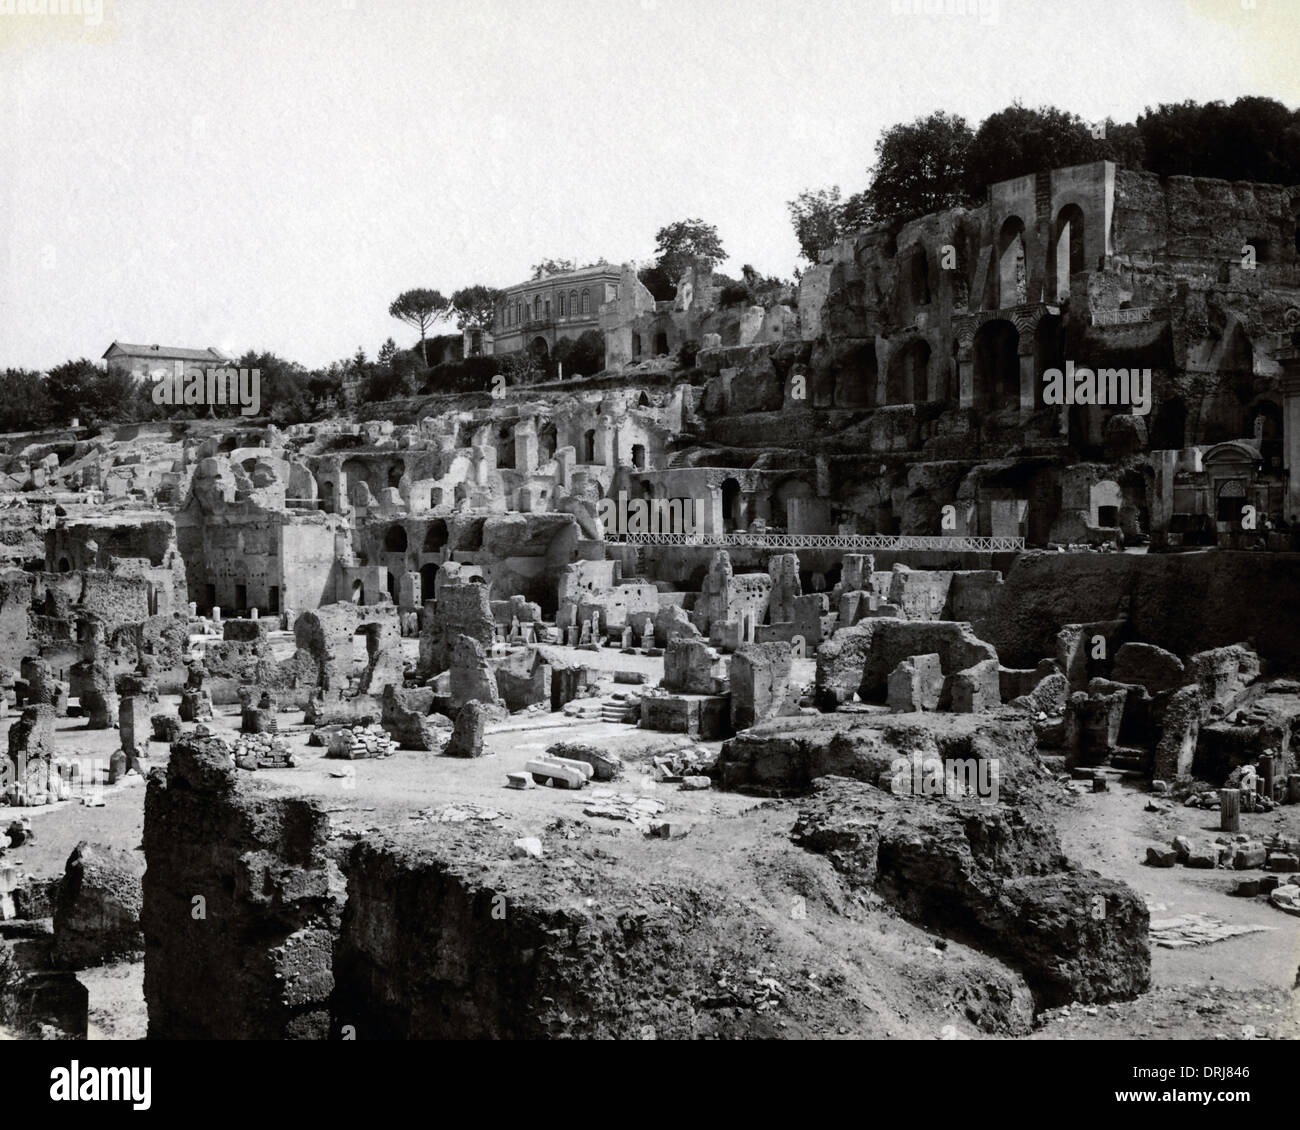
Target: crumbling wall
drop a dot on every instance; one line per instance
(241, 903)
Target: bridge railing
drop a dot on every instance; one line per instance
(940, 543)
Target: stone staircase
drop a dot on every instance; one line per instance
(614, 709)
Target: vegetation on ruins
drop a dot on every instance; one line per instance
(420, 308)
(686, 243)
(938, 162)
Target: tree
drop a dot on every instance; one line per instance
(818, 218)
(475, 306)
(687, 243)
(420, 308)
(920, 167)
(552, 267)
(24, 401)
(72, 389)
(582, 356)
(387, 352)
(1020, 140)
(283, 387)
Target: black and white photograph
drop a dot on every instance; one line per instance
(659, 520)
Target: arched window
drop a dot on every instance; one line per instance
(573, 304)
(537, 307)
(561, 304)
(586, 303)
(1012, 282)
(519, 311)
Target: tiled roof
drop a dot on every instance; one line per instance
(170, 352)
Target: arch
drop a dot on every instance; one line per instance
(1065, 250)
(779, 501)
(1266, 430)
(537, 307)
(428, 581)
(573, 304)
(435, 536)
(586, 303)
(731, 505)
(661, 344)
(395, 473)
(392, 586)
(328, 501)
(541, 350)
(997, 366)
(856, 377)
(905, 382)
(916, 277)
(1049, 352)
(1169, 429)
(64, 566)
(1012, 282)
(505, 445)
(546, 442)
(395, 539)
(358, 592)
(638, 456)
(589, 446)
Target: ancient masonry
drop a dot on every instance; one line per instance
(395, 685)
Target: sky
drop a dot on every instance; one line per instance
(270, 174)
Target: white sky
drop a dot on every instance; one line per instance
(270, 175)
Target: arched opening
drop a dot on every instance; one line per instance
(661, 345)
(638, 456)
(392, 586)
(546, 443)
(997, 366)
(327, 497)
(730, 505)
(1066, 248)
(461, 493)
(64, 566)
(540, 349)
(1169, 429)
(1266, 431)
(589, 446)
(916, 278)
(636, 347)
(505, 445)
(1049, 352)
(906, 379)
(856, 378)
(395, 473)
(428, 581)
(1012, 284)
(435, 536)
(358, 592)
(395, 539)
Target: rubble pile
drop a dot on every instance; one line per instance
(356, 742)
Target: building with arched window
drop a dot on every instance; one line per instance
(554, 308)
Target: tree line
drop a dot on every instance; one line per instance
(938, 161)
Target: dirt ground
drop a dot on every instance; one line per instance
(1243, 987)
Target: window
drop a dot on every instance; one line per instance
(548, 309)
(573, 304)
(537, 307)
(561, 305)
(586, 303)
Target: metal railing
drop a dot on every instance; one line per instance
(945, 544)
